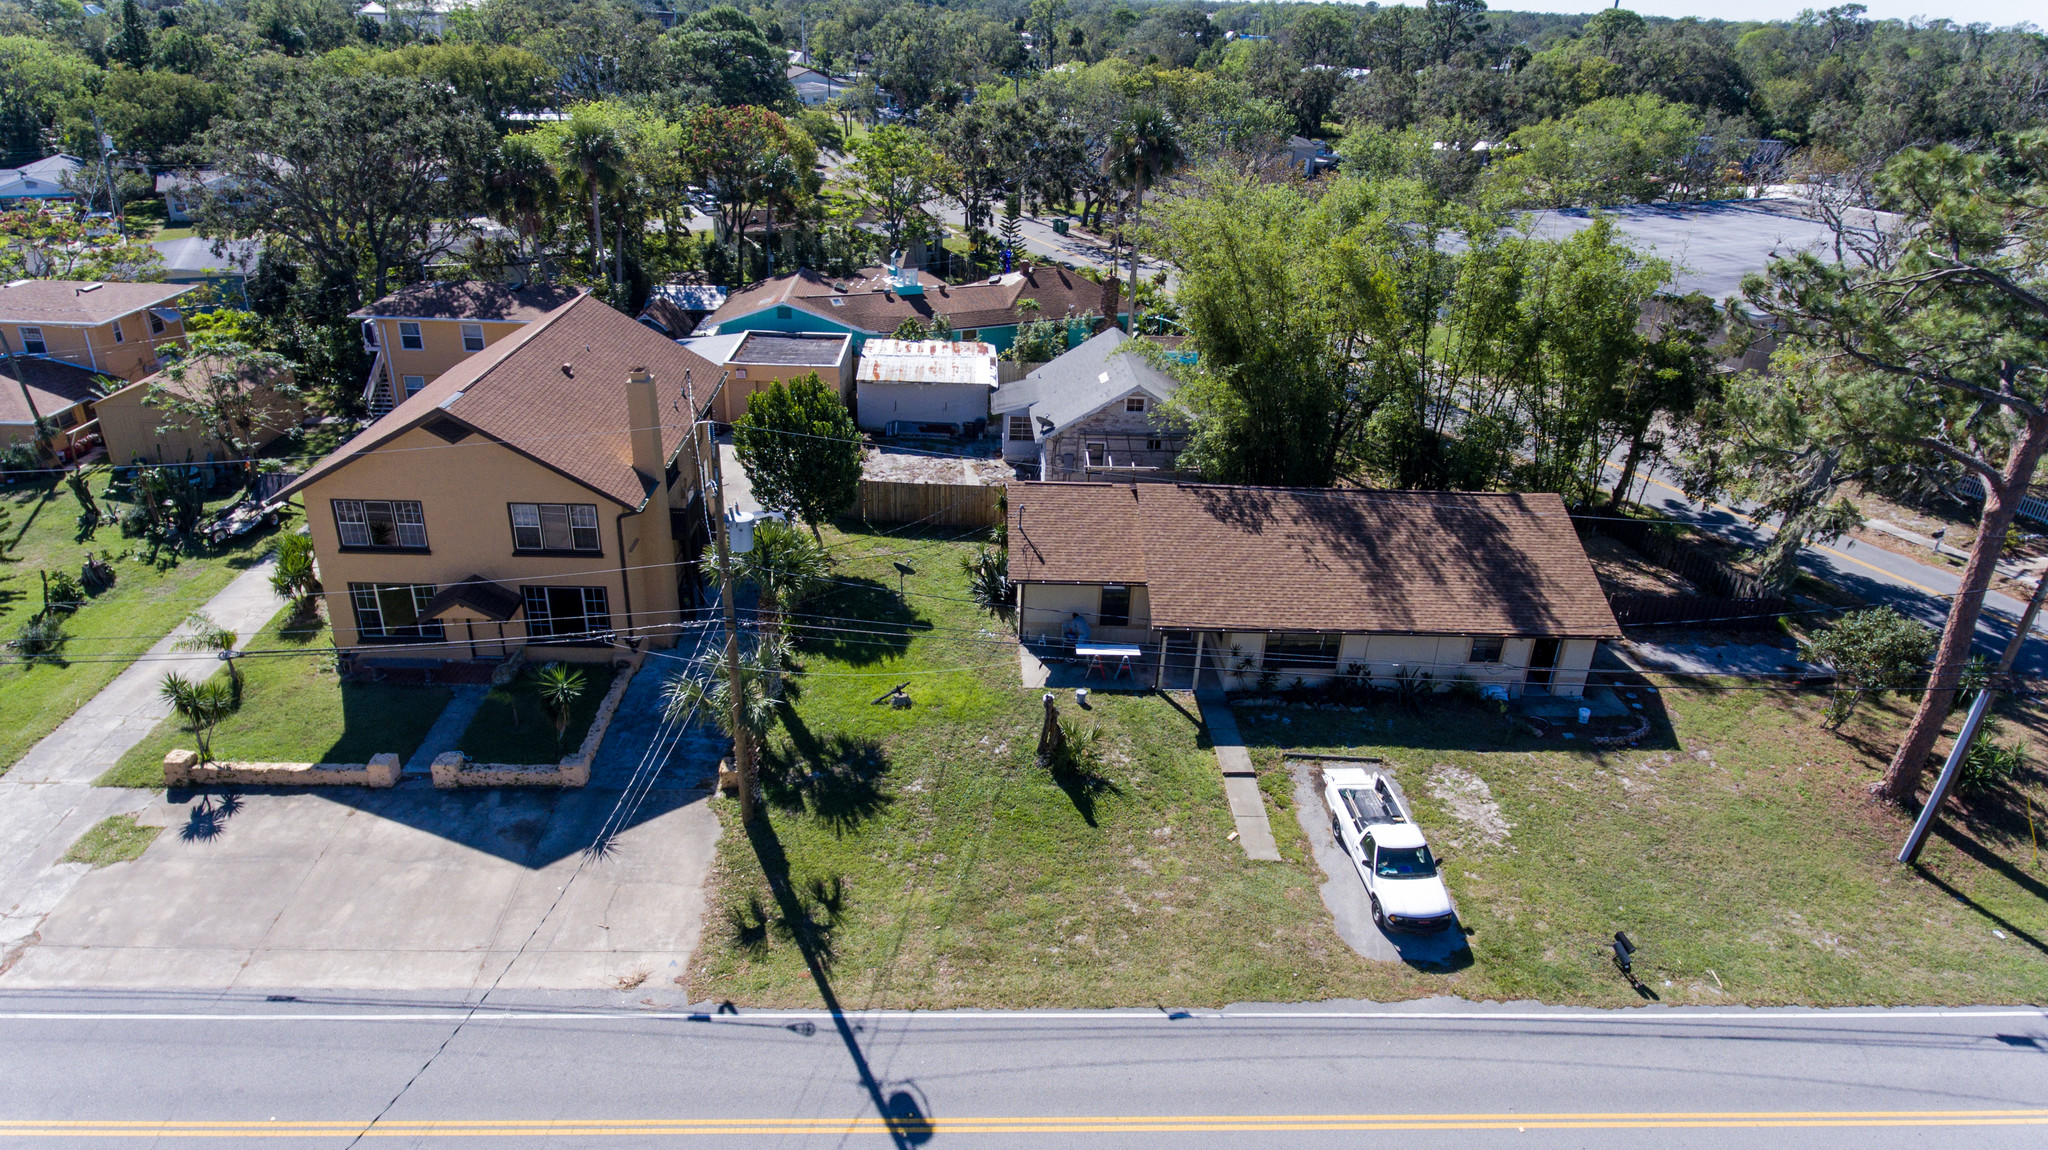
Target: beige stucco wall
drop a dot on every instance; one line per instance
(743, 380)
(132, 429)
(1044, 608)
(94, 347)
(463, 492)
(442, 340)
(1445, 657)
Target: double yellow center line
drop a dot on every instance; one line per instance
(1139, 1124)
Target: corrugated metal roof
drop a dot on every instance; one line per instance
(927, 361)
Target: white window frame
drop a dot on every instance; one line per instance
(119, 335)
(412, 384)
(156, 324)
(540, 620)
(1134, 404)
(1023, 423)
(472, 337)
(572, 525)
(1473, 654)
(42, 346)
(412, 340)
(367, 599)
(353, 523)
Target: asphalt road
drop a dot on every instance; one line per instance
(92, 1070)
(1878, 576)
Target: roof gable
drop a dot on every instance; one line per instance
(1102, 371)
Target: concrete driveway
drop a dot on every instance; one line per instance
(408, 888)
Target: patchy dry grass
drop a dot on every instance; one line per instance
(112, 840)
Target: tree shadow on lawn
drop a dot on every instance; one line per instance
(809, 922)
(1992, 862)
(868, 623)
(839, 779)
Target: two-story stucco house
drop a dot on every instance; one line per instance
(542, 493)
(1093, 413)
(416, 333)
(111, 329)
(1222, 585)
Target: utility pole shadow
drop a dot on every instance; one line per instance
(903, 1114)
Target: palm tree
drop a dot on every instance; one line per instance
(207, 635)
(594, 158)
(523, 191)
(762, 688)
(558, 687)
(1143, 150)
(201, 705)
(787, 565)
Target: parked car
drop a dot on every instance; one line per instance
(1392, 857)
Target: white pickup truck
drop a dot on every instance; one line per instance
(1388, 849)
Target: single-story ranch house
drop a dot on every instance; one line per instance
(875, 302)
(1225, 583)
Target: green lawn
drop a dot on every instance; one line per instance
(918, 858)
(294, 710)
(116, 839)
(512, 728)
(153, 592)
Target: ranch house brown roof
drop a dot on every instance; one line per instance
(863, 301)
(468, 299)
(1311, 559)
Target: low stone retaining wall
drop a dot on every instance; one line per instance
(452, 770)
(183, 769)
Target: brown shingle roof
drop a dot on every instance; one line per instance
(864, 305)
(56, 385)
(67, 301)
(516, 392)
(468, 299)
(1309, 559)
(198, 372)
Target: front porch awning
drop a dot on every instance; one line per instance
(493, 601)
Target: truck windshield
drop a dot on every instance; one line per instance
(1405, 862)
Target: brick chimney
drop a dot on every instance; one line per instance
(1109, 299)
(643, 411)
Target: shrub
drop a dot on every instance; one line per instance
(1871, 652)
(988, 580)
(294, 579)
(1989, 765)
(61, 593)
(40, 638)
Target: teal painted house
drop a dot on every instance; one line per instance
(874, 303)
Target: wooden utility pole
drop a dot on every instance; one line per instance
(735, 683)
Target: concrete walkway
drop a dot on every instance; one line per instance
(446, 733)
(47, 800)
(1240, 781)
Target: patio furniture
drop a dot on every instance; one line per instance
(1099, 655)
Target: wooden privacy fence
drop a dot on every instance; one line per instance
(1697, 611)
(1689, 561)
(933, 504)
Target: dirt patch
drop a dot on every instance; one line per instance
(897, 468)
(1623, 571)
(1469, 800)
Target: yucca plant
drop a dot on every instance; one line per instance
(558, 686)
(201, 705)
(988, 580)
(787, 565)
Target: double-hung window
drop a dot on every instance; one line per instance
(1134, 403)
(472, 337)
(32, 342)
(570, 614)
(555, 527)
(1486, 650)
(413, 384)
(1020, 429)
(409, 337)
(391, 524)
(391, 611)
(119, 335)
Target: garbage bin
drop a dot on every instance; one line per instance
(1059, 227)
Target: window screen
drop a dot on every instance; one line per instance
(393, 523)
(568, 613)
(413, 384)
(392, 610)
(409, 337)
(472, 337)
(1301, 654)
(1486, 650)
(554, 527)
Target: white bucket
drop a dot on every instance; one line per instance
(1585, 715)
(1081, 695)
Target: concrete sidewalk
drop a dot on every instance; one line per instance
(1240, 781)
(47, 800)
